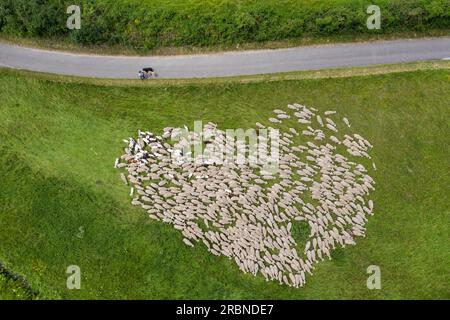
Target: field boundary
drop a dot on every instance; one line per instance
(147, 25)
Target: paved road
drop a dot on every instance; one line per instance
(230, 63)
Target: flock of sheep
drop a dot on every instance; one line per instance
(253, 215)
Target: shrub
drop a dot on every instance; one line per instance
(149, 24)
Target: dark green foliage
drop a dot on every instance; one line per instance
(157, 23)
(14, 287)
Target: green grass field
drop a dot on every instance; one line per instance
(62, 202)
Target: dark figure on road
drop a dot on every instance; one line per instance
(146, 73)
(148, 70)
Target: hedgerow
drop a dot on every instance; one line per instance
(157, 23)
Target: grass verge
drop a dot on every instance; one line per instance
(61, 44)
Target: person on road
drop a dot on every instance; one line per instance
(150, 71)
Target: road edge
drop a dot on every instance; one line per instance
(286, 76)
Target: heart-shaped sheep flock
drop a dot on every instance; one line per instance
(244, 211)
